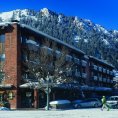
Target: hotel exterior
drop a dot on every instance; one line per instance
(20, 44)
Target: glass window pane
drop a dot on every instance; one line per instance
(2, 38)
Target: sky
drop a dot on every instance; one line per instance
(103, 12)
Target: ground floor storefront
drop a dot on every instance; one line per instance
(37, 98)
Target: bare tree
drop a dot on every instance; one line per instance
(49, 61)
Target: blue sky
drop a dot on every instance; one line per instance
(103, 12)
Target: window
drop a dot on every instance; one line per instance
(23, 39)
(2, 38)
(1, 96)
(2, 49)
(10, 95)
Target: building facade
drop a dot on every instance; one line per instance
(21, 48)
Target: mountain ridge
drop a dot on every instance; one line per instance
(91, 38)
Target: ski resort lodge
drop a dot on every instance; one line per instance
(19, 48)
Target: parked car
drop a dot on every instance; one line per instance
(60, 104)
(91, 102)
(112, 102)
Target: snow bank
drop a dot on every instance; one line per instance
(4, 109)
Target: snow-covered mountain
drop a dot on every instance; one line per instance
(92, 38)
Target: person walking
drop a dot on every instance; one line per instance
(104, 105)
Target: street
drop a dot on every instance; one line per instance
(75, 113)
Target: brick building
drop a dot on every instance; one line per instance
(20, 43)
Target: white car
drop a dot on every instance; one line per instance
(113, 102)
(92, 102)
(60, 104)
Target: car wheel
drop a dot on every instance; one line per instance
(95, 105)
(75, 106)
(78, 106)
(116, 106)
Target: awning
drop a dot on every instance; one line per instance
(29, 85)
(6, 86)
(87, 88)
(73, 86)
(103, 89)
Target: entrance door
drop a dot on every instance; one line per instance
(27, 99)
(42, 99)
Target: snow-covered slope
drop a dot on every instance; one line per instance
(92, 38)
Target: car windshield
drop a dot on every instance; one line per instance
(113, 98)
(89, 100)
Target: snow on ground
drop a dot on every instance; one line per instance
(78, 113)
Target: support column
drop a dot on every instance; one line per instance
(36, 98)
(53, 96)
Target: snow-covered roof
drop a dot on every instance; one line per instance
(102, 61)
(50, 37)
(43, 34)
(54, 39)
(6, 86)
(7, 23)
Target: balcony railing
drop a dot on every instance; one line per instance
(68, 74)
(84, 63)
(84, 75)
(77, 74)
(58, 53)
(100, 79)
(100, 69)
(68, 58)
(95, 67)
(111, 73)
(76, 61)
(32, 45)
(108, 80)
(104, 70)
(111, 82)
(95, 78)
(104, 79)
(47, 50)
(107, 71)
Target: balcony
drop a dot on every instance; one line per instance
(69, 74)
(58, 54)
(84, 63)
(68, 58)
(32, 45)
(111, 82)
(100, 69)
(95, 78)
(100, 79)
(108, 80)
(76, 61)
(107, 71)
(95, 67)
(111, 73)
(104, 70)
(104, 79)
(77, 74)
(47, 50)
(84, 75)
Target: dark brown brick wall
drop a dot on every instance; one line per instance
(12, 62)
